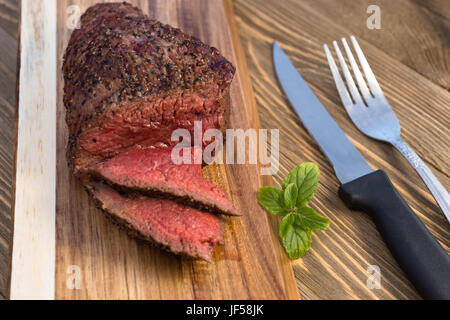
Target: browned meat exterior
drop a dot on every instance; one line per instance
(130, 81)
(152, 172)
(179, 229)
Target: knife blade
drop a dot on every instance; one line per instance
(332, 140)
(422, 258)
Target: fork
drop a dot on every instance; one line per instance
(372, 114)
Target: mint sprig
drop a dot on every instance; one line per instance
(306, 178)
(272, 199)
(290, 196)
(298, 221)
(297, 242)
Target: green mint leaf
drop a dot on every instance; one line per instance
(309, 219)
(298, 221)
(290, 196)
(272, 199)
(307, 182)
(291, 177)
(285, 224)
(296, 241)
(306, 178)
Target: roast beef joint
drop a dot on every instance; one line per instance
(129, 82)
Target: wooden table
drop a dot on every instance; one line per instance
(410, 57)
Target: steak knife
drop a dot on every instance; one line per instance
(423, 259)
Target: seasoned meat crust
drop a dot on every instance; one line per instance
(128, 76)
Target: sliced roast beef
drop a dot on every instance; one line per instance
(130, 81)
(178, 228)
(152, 172)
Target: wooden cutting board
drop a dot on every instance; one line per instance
(64, 248)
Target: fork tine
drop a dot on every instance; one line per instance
(371, 80)
(340, 85)
(359, 78)
(348, 77)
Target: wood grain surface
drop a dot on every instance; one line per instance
(33, 254)
(410, 58)
(337, 265)
(9, 21)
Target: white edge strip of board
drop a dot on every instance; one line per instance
(33, 254)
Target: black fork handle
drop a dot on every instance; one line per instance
(423, 259)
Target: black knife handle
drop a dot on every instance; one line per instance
(423, 259)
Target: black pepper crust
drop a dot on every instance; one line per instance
(119, 54)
